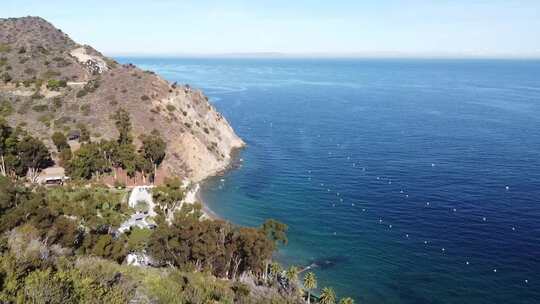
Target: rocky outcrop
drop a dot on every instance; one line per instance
(50, 83)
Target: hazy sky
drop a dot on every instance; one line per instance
(377, 27)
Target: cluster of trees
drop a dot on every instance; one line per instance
(44, 232)
(183, 239)
(96, 158)
(21, 154)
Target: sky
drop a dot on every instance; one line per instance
(376, 28)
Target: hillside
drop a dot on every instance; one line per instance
(50, 83)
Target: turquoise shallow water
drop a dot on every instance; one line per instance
(405, 181)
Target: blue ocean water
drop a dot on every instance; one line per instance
(405, 181)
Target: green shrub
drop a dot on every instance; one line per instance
(29, 71)
(90, 87)
(46, 119)
(36, 95)
(3, 61)
(40, 108)
(145, 98)
(85, 109)
(51, 74)
(55, 85)
(60, 122)
(24, 107)
(57, 102)
(6, 77)
(171, 108)
(4, 48)
(5, 108)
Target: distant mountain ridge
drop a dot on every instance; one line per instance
(51, 83)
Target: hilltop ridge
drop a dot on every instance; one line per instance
(50, 83)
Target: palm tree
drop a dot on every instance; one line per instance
(328, 296)
(292, 276)
(310, 283)
(275, 269)
(346, 300)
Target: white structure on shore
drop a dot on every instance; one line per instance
(142, 194)
(141, 200)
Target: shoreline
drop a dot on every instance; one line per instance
(234, 163)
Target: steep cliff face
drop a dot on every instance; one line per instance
(50, 83)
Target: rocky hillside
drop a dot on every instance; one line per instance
(50, 83)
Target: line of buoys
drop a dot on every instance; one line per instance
(402, 191)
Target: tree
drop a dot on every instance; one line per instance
(60, 141)
(5, 134)
(153, 148)
(127, 158)
(168, 197)
(328, 296)
(87, 161)
(292, 276)
(85, 134)
(62, 146)
(310, 283)
(144, 165)
(34, 156)
(110, 151)
(346, 301)
(277, 232)
(123, 125)
(7, 194)
(275, 270)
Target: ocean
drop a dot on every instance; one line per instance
(402, 181)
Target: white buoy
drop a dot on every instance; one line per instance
(433, 165)
(526, 281)
(513, 228)
(407, 195)
(390, 226)
(427, 204)
(352, 204)
(425, 242)
(507, 188)
(494, 270)
(443, 249)
(454, 209)
(484, 219)
(406, 235)
(380, 221)
(467, 263)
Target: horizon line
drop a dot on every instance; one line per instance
(330, 55)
